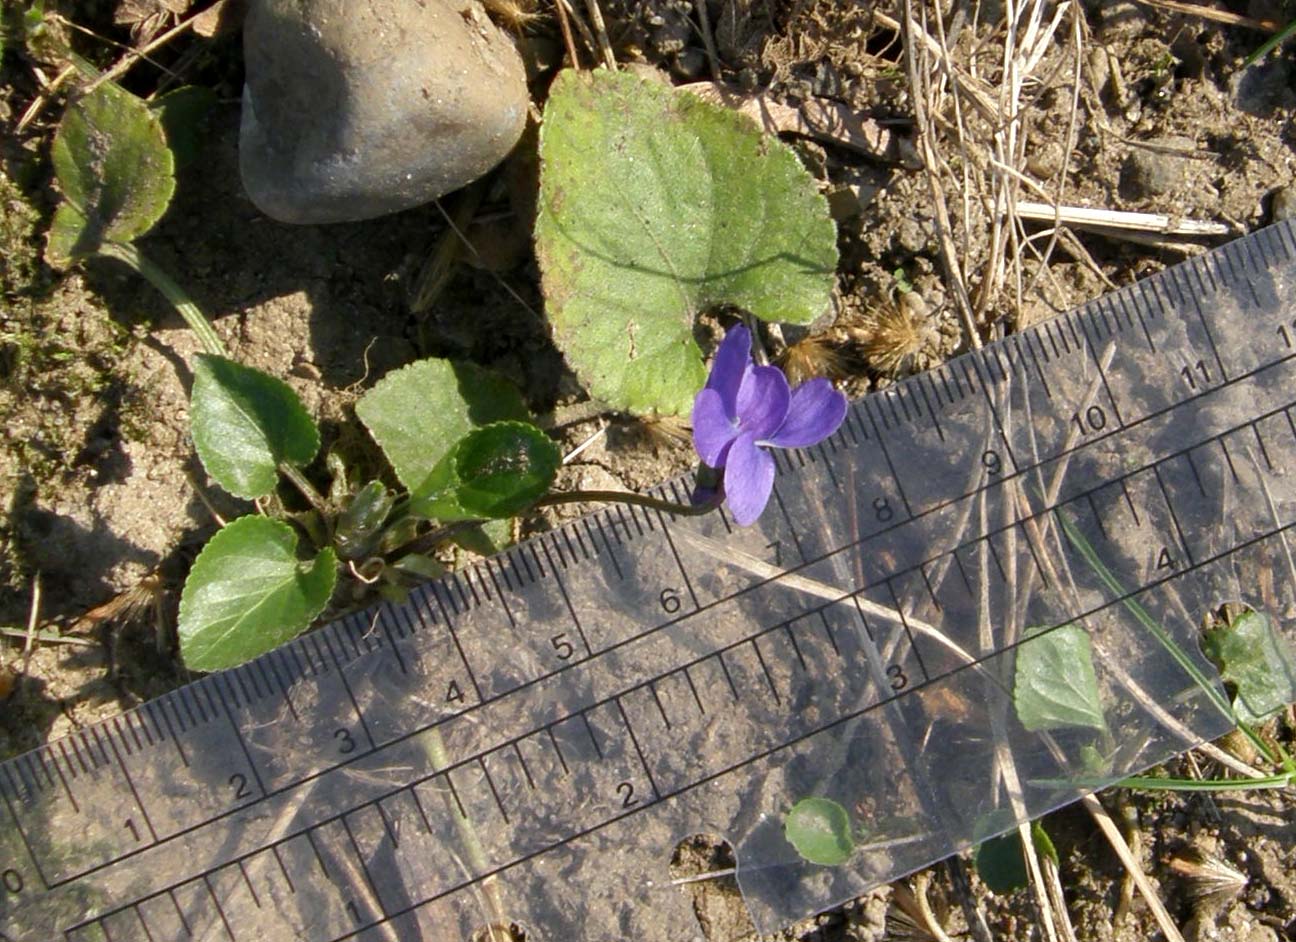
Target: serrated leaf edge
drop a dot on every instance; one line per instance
(326, 556)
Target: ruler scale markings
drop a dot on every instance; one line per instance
(23, 773)
(301, 666)
(931, 410)
(1047, 329)
(585, 551)
(1174, 518)
(67, 757)
(143, 924)
(853, 425)
(1279, 239)
(1157, 462)
(146, 716)
(238, 694)
(670, 542)
(1264, 451)
(611, 550)
(63, 781)
(550, 539)
(22, 834)
(1096, 356)
(499, 596)
(257, 668)
(116, 724)
(892, 398)
(183, 696)
(886, 454)
(44, 766)
(1032, 343)
(247, 755)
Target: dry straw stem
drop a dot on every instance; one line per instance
(121, 68)
(600, 29)
(708, 37)
(1145, 887)
(973, 142)
(917, 59)
(1227, 17)
(1112, 219)
(33, 619)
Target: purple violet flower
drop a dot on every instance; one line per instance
(745, 409)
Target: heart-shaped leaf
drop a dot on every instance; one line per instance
(417, 413)
(495, 471)
(115, 170)
(247, 593)
(245, 423)
(1054, 684)
(820, 830)
(1255, 659)
(655, 205)
(183, 112)
(1000, 861)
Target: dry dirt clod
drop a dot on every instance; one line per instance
(352, 110)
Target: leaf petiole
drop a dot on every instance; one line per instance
(179, 298)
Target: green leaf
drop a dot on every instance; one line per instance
(1000, 860)
(1054, 685)
(247, 593)
(1256, 660)
(495, 471)
(486, 539)
(115, 171)
(1001, 864)
(820, 830)
(183, 112)
(245, 423)
(416, 414)
(360, 524)
(1043, 843)
(654, 206)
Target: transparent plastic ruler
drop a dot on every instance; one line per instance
(529, 740)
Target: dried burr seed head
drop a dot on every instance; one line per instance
(894, 333)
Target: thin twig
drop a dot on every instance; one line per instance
(123, 65)
(924, 132)
(1132, 865)
(708, 38)
(600, 30)
(564, 24)
(33, 618)
(46, 636)
(1158, 223)
(1227, 17)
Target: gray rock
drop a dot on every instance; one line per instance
(1283, 205)
(357, 108)
(1155, 169)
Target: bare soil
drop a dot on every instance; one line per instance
(104, 502)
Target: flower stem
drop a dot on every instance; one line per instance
(433, 537)
(179, 298)
(435, 750)
(628, 497)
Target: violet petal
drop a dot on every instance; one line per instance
(815, 410)
(763, 401)
(712, 428)
(748, 479)
(732, 361)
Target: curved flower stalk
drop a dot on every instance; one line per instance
(744, 410)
